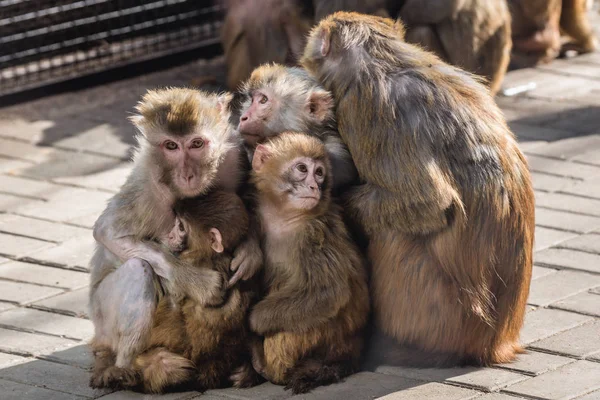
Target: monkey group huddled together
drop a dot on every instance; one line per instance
(259, 233)
(476, 35)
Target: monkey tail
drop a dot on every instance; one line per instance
(311, 373)
(161, 369)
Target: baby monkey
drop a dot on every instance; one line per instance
(317, 301)
(192, 344)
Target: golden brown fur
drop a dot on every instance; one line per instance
(316, 302)
(446, 198)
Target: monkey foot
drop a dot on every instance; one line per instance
(301, 384)
(245, 377)
(115, 378)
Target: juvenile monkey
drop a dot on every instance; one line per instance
(277, 99)
(446, 196)
(186, 147)
(317, 300)
(191, 343)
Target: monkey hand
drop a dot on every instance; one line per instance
(216, 290)
(247, 260)
(260, 320)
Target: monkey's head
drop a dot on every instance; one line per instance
(184, 137)
(214, 223)
(346, 43)
(292, 172)
(279, 99)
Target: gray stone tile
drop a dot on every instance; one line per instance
(591, 396)
(551, 183)
(565, 202)
(432, 391)
(589, 243)
(580, 342)
(127, 395)
(111, 179)
(595, 290)
(18, 128)
(68, 204)
(587, 188)
(589, 157)
(31, 343)
(12, 166)
(38, 229)
(102, 139)
(41, 275)
(568, 148)
(561, 168)
(498, 396)
(547, 237)
(18, 391)
(566, 67)
(539, 272)
(536, 132)
(558, 286)
(583, 303)
(18, 246)
(78, 356)
(542, 323)
(27, 187)
(72, 303)
(526, 144)
(46, 322)
(536, 363)
(60, 377)
(565, 220)
(24, 293)
(6, 306)
(74, 253)
(9, 201)
(570, 259)
(567, 382)
(6, 360)
(265, 391)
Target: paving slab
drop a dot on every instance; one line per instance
(568, 148)
(561, 168)
(42, 275)
(127, 395)
(101, 139)
(6, 306)
(73, 303)
(588, 188)
(552, 183)
(584, 303)
(547, 237)
(75, 253)
(539, 272)
(79, 356)
(23, 293)
(558, 286)
(565, 220)
(568, 382)
(543, 323)
(534, 132)
(39, 229)
(536, 363)
(9, 201)
(264, 391)
(566, 202)
(589, 243)
(579, 342)
(571, 259)
(110, 180)
(12, 166)
(45, 322)
(28, 187)
(6, 360)
(591, 396)
(18, 391)
(589, 157)
(25, 343)
(21, 129)
(432, 391)
(18, 246)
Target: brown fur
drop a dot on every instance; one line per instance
(471, 34)
(446, 197)
(316, 302)
(193, 344)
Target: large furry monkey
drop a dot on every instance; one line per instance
(186, 148)
(317, 300)
(471, 34)
(446, 197)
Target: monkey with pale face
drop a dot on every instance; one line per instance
(280, 99)
(186, 148)
(317, 300)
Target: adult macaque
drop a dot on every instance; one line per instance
(317, 300)
(186, 148)
(261, 31)
(192, 344)
(279, 99)
(471, 34)
(325, 7)
(446, 196)
(537, 26)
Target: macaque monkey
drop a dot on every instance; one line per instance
(325, 7)
(261, 31)
(277, 99)
(537, 26)
(446, 197)
(193, 344)
(186, 147)
(317, 299)
(471, 34)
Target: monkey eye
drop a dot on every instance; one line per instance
(171, 145)
(319, 171)
(197, 144)
(181, 228)
(263, 99)
(302, 167)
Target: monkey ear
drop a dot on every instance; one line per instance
(216, 240)
(399, 26)
(320, 105)
(223, 102)
(136, 120)
(261, 154)
(325, 41)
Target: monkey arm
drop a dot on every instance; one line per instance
(429, 11)
(344, 172)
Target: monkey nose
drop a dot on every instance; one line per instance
(244, 118)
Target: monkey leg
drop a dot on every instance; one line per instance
(495, 57)
(282, 352)
(161, 369)
(574, 22)
(426, 36)
(122, 310)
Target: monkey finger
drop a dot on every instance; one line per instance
(236, 262)
(236, 277)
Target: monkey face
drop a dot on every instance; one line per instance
(257, 113)
(302, 182)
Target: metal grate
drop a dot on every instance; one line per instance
(48, 41)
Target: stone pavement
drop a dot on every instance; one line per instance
(63, 157)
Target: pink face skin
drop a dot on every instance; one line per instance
(253, 121)
(306, 176)
(186, 156)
